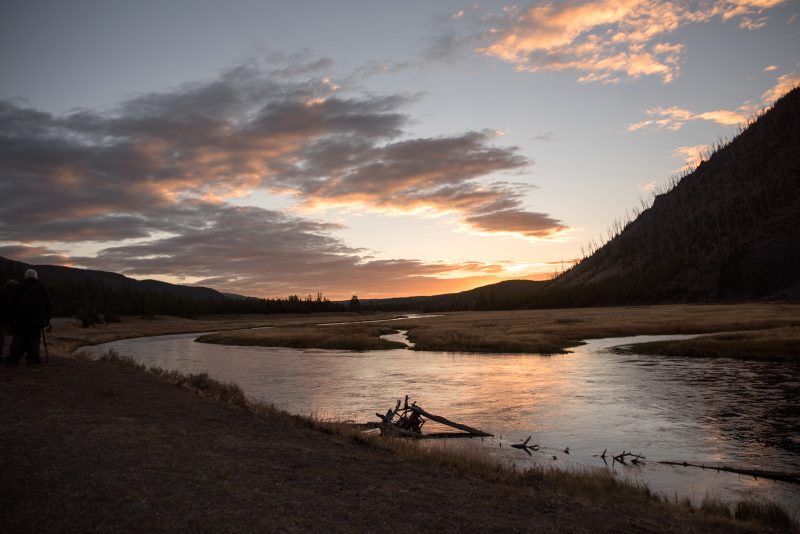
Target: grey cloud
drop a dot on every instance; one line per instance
(527, 223)
(264, 252)
(410, 172)
(454, 38)
(90, 175)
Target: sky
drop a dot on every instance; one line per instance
(374, 148)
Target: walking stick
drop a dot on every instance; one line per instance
(46, 354)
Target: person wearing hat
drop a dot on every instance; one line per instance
(30, 312)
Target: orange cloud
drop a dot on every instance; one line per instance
(609, 40)
(725, 117)
(785, 83)
(691, 155)
(674, 118)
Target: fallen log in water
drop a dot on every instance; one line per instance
(793, 478)
(447, 435)
(447, 422)
(637, 458)
(411, 420)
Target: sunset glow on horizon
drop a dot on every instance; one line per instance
(385, 150)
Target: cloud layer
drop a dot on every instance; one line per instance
(608, 40)
(271, 253)
(160, 170)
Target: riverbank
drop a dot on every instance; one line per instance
(104, 445)
(775, 344)
(67, 334)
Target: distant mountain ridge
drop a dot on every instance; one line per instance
(59, 274)
(90, 294)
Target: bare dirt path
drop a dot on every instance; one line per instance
(95, 446)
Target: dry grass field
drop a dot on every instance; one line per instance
(554, 331)
(345, 337)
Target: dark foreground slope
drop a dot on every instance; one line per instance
(730, 229)
(93, 446)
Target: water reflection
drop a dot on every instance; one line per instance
(708, 411)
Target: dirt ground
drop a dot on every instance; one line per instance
(96, 446)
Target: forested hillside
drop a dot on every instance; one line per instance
(729, 230)
(99, 295)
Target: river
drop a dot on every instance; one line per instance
(706, 411)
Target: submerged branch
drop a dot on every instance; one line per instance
(793, 478)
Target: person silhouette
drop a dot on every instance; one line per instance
(30, 312)
(6, 294)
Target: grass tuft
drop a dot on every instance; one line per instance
(225, 392)
(715, 506)
(114, 357)
(764, 512)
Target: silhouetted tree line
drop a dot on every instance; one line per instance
(95, 301)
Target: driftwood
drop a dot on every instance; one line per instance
(525, 447)
(410, 420)
(474, 431)
(793, 478)
(635, 458)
